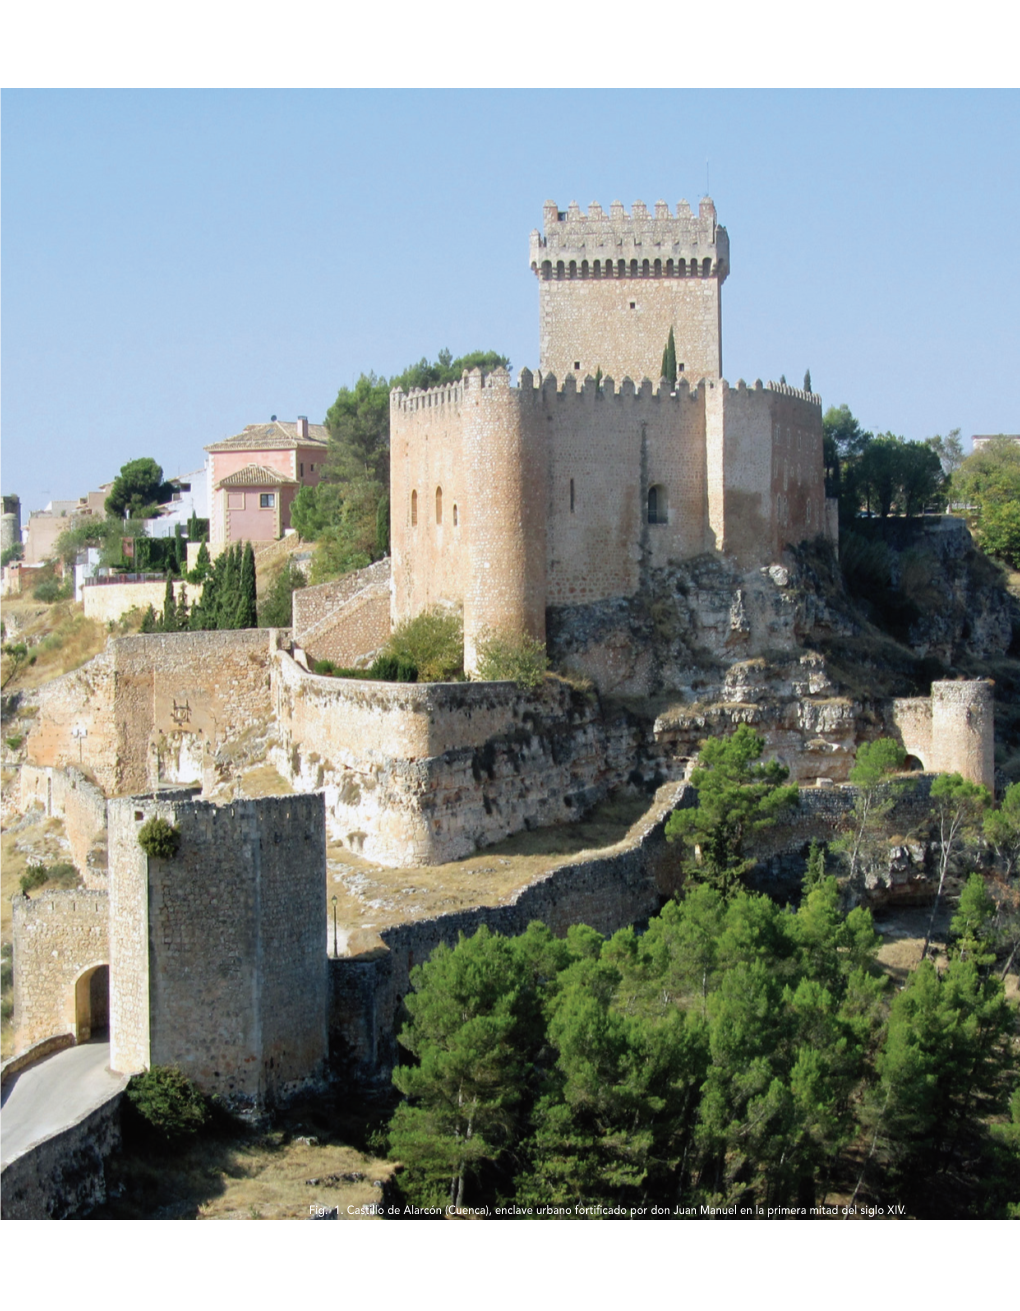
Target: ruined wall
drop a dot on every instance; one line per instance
(423, 773)
(953, 731)
(218, 961)
(612, 285)
(69, 795)
(59, 937)
(150, 706)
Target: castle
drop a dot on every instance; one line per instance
(512, 503)
(571, 486)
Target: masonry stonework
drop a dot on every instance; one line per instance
(61, 959)
(218, 955)
(953, 731)
(505, 500)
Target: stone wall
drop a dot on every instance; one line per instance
(952, 731)
(424, 773)
(61, 939)
(63, 1177)
(107, 602)
(70, 796)
(607, 891)
(218, 961)
(150, 706)
(314, 605)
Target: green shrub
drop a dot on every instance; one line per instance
(168, 1102)
(52, 589)
(34, 877)
(323, 667)
(431, 643)
(159, 839)
(14, 742)
(391, 669)
(63, 874)
(513, 656)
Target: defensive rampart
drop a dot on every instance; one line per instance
(425, 773)
(952, 731)
(70, 796)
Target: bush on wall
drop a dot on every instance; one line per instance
(159, 839)
(512, 656)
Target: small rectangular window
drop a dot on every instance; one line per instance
(577, 366)
(267, 500)
(633, 304)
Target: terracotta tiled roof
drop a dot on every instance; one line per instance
(257, 475)
(273, 437)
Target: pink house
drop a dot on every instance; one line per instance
(254, 477)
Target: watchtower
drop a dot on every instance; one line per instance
(612, 285)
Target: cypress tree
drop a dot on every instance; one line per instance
(226, 592)
(148, 621)
(182, 615)
(382, 527)
(669, 359)
(168, 619)
(180, 552)
(807, 380)
(246, 611)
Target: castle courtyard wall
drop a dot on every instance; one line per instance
(108, 602)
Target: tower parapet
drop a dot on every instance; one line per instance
(613, 286)
(641, 244)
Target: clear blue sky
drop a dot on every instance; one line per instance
(179, 264)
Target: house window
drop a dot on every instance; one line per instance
(267, 500)
(439, 505)
(657, 508)
(414, 509)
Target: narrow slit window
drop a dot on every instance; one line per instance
(657, 507)
(439, 505)
(414, 509)
(571, 496)
(456, 517)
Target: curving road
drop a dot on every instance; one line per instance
(55, 1094)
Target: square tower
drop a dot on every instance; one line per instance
(612, 285)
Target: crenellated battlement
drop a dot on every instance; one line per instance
(428, 398)
(641, 244)
(781, 389)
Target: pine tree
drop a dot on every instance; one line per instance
(669, 359)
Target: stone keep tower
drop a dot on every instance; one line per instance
(612, 285)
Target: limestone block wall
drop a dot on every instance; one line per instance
(59, 938)
(315, 605)
(611, 285)
(424, 773)
(357, 628)
(77, 712)
(107, 602)
(218, 960)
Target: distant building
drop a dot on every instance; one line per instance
(978, 442)
(255, 475)
(191, 497)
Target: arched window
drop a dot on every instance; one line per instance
(414, 509)
(439, 505)
(657, 506)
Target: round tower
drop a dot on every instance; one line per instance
(963, 730)
(504, 514)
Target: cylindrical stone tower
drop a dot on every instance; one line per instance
(963, 730)
(505, 511)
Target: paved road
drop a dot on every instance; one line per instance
(57, 1092)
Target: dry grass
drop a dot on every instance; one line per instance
(231, 1174)
(263, 781)
(371, 897)
(59, 636)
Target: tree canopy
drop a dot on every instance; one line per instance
(988, 483)
(137, 487)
